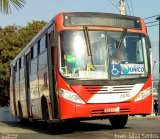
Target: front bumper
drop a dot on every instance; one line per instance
(69, 110)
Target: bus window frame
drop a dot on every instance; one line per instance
(41, 52)
(44, 36)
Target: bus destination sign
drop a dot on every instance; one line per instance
(102, 20)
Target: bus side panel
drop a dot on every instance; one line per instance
(13, 90)
(39, 85)
(11, 97)
(35, 96)
(23, 94)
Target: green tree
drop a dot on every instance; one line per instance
(5, 5)
(12, 40)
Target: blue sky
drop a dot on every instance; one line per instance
(46, 9)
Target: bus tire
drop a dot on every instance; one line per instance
(74, 123)
(22, 120)
(45, 112)
(118, 121)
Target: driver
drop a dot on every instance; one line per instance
(119, 56)
(70, 61)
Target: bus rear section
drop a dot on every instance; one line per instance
(92, 66)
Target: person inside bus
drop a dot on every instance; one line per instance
(68, 55)
(118, 56)
(71, 59)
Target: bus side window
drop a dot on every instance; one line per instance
(22, 61)
(51, 39)
(14, 74)
(32, 53)
(20, 66)
(34, 58)
(38, 47)
(45, 80)
(42, 57)
(35, 49)
(42, 63)
(15, 67)
(43, 44)
(17, 71)
(10, 69)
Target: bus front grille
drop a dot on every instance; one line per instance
(109, 89)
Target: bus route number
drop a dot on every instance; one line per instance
(124, 95)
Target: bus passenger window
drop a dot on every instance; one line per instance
(22, 61)
(15, 67)
(38, 48)
(20, 66)
(10, 71)
(43, 43)
(35, 50)
(45, 80)
(32, 53)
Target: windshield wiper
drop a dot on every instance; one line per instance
(87, 39)
(122, 37)
(88, 44)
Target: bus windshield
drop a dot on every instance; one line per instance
(112, 55)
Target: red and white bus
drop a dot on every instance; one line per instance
(84, 66)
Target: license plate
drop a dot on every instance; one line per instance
(113, 109)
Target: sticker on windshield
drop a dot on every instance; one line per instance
(115, 69)
(126, 69)
(70, 58)
(132, 69)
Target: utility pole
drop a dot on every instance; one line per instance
(121, 7)
(159, 70)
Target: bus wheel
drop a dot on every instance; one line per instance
(72, 123)
(118, 121)
(22, 120)
(45, 112)
(46, 115)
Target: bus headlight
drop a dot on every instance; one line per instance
(144, 94)
(70, 96)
